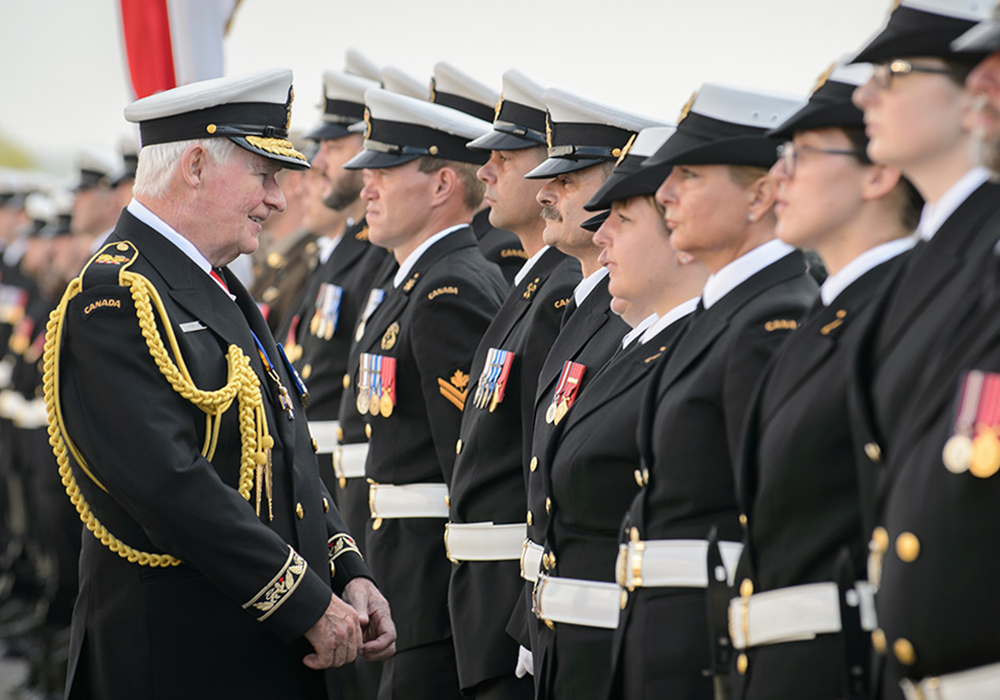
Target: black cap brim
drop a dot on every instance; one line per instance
(595, 222)
(560, 166)
(912, 32)
(620, 186)
(377, 160)
(683, 149)
(329, 131)
(287, 161)
(819, 116)
(500, 141)
(981, 39)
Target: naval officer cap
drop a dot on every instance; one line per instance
(595, 222)
(402, 83)
(722, 125)
(343, 105)
(830, 103)
(925, 28)
(97, 169)
(401, 129)
(519, 116)
(254, 111)
(629, 178)
(453, 88)
(129, 148)
(581, 133)
(356, 63)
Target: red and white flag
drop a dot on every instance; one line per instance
(173, 42)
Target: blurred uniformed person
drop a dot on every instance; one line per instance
(413, 375)
(96, 207)
(924, 376)
(584, 140)
(719, 202)
(488, 503)
(592, 458)
(453, 88)
(232, 573)
(806, 545)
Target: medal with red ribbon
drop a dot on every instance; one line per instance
(566, 391)
(974, 446)
(388, 400)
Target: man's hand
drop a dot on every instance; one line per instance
(336, 637)
(375, 618)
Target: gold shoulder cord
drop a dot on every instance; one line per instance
(242, 384)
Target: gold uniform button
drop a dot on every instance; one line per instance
(533, 464)
(873, 451)
(307, 371)
(742, 663)
(531, 518)
(633, 534)
(552, 560)
(122, 247)
(907, 547)
(333, 569)
(326, 505)
(904, 652)
(347, 381)
(368, 430)
(315, 445)
(447, 502)
(458, 447)
(746, 588)
(645, 476)
(340, 434)
(548, 505)
(300, 511)
(743, 519)
(638, 477)
(878, 640)
(545, 560)
(880, 539)
(624, 601)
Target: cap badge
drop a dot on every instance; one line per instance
(368, 124)
(548, 129)
(288, 109)
(433, 90)
(626, 149)
(496, 112)
(686, 109)
(824, 76)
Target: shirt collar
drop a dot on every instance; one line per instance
(326, 247)
(638, 330)
(587, 284)
(741, 269)
(935, 214)
(837, 283)
(682, 310)
(529, 263)
(404, 269)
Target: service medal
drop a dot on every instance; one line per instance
(385, 404)
(957, 454)
(959, 450)
(985, 455)
(550, 413)
(363, 401)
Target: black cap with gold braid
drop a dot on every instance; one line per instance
(254, 111)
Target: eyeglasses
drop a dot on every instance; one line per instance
(883, 73)
(788, 154)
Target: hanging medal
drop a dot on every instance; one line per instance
(985, 460)
(388, 401)
(376, 386)
(505, 359)
(573, 380)
(550, 412)
(324, 320)
(957, 453)
(283, 396)
(375, 298)
(364, 380)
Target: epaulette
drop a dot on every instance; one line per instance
(106, 266)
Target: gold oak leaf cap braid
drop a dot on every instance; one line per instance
(242, 384)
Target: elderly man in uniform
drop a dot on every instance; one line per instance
(412, 378)
(219, 566)
(488, 504)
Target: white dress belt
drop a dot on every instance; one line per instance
(980, 683)
(349, 460)
(576, 601)
(483, 541)
(531, 559)
(408, 500)
(796, 613)
(324, 432)
(672, 563)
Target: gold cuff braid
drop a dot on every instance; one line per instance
(242, 384)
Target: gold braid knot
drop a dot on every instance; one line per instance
(242, 384)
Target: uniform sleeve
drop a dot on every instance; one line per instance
(143, 442)
(346, 561)
(451, 326)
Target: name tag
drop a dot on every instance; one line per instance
(192, 326)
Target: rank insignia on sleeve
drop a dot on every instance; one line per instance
(342, 543)
(455, 389)
(274, 594)
(389, 338)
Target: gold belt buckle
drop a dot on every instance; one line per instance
(638, 550)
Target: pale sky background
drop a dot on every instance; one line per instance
(63, 81)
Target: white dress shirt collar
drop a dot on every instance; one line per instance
(529, 263)
(741, 269)
(638, 330)
(837, 283)
(404, 268)
(934, 215)
(587, 284)
(682, 310)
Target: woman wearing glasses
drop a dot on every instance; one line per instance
(805, 544)
(719, 201)
(934, 544)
